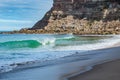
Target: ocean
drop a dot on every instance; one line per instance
(20, 49)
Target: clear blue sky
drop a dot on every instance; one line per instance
(17, 14)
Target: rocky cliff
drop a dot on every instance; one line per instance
(80, 17)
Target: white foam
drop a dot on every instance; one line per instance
(44, 55)
(47, 41)
(104, 43)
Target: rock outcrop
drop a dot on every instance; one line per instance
(80, 17)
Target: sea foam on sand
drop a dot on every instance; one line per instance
(65, 70)
(43, 56)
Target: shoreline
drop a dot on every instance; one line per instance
(92, 69)
(34, 63)
(105, 71)
(61, 71)
(88, 34)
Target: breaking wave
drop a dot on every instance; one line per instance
(30, 43)
(21, 44)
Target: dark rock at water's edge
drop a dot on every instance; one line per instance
(80, 17)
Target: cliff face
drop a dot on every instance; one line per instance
(82, 16)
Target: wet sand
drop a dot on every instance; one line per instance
(106, 71)
(75, 65)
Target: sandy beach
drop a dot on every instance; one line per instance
(60, 40)
(69, 67)
(106, 71)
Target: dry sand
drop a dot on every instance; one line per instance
(106, 71)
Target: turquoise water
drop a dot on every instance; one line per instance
(21, 41)
(21, 48)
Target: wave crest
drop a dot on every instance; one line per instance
(33, 43)
(21, 44)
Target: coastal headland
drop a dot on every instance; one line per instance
(79, 17)
(82, 17)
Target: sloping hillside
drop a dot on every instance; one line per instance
(79, 17)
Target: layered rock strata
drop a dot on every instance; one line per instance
(80, 17)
